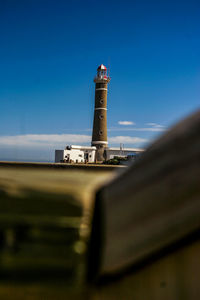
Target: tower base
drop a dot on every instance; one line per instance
(100, 153)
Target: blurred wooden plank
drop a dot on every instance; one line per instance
(151, 205)
(44, 185)
(44, 227)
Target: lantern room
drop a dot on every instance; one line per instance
(102, 72)
(102, 75)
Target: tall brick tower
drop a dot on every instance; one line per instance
(99, 134)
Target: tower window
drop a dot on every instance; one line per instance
(101, 101)
(101, 117)
(100, 132)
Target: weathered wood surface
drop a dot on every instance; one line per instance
(152, 205)
(73, 166)
(174, 275)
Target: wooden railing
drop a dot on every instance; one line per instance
(128, 233)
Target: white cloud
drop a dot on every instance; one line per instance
(126, 123)
(55, 141)
(43, 140)
(41, 147)
(152, 127)
(126, 140)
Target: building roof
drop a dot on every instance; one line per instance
(82, 147)
(125, 149)
(102, 67)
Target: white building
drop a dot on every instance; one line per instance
(76, 154)
(86, 154)
(110, 153)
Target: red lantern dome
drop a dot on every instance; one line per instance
(101, 67)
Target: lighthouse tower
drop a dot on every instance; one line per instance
(99, 134)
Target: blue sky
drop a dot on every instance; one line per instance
(49, 52)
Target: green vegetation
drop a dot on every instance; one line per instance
(115, 161)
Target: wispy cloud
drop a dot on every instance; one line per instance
(126, 140)
(155, 125)
(145, 129)
(126, 123)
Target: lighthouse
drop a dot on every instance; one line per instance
(99, 134)
(99, 150)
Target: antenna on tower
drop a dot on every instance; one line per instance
(109, 67)
(108, 71)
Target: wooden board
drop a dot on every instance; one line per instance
(44, 227)
(173, 275)
(153, 204)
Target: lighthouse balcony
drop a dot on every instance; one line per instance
(101, 78)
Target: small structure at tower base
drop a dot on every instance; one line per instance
(84, 154)
(76, 154)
